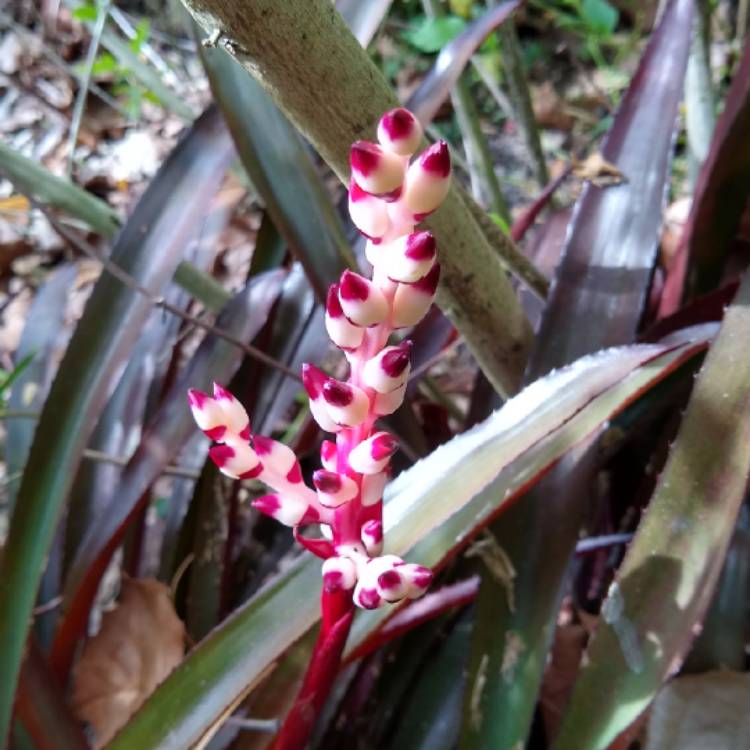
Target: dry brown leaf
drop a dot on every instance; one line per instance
(550, 110)
(140, 642)
(597, 170)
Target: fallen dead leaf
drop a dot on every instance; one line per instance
(550, 109)
(597, 170)
(140, 642)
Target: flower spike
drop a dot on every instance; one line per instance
(387, 198)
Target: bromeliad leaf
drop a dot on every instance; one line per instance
(430, 510)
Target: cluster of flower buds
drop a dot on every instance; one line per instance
(388, 197)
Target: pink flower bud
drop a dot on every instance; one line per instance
(236, 419)
(285, 509)
(314, 379)
(367, 597)
(339, 574)
(428, 180)
(372, 537)
(391, 585)
(328, 455)
(379, 172)
(334, 489)
(341, 331)
(387, 403)
(409, 258)
(400, 132)
(278, 458)
(346, 404)
(372, 488)
(418, 579)
(369, 214)
(362, 302)
(208, 415)
(389, 369)
(372, 455)
(238, 460)
(412, 301)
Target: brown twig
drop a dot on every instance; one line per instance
(124, 277)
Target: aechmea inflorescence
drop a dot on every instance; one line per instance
(388, 197)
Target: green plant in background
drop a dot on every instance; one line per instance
(8, 378)
(120, 74)
(594, 21)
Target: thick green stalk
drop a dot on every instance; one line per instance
(304, 55)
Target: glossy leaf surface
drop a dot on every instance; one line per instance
(596, 300)
(164, 434)
(666, 582)
(148, 248)
(431, 510)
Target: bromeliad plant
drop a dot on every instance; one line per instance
(388, 197)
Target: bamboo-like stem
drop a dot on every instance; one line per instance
(85, 82)
(487, 191)
(484, 183)
(304, 55)
(518, 90)
(700, 99)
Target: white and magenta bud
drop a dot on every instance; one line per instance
(372, 488)
(372, 455)
(427, 181)
(208, 415)
(339, 574)
(379, 172)
(369, 214)
(387, 403)
(389, 369)
(328, 455)
(285, 509)
(334, 489)
(236, 419)
(391, 585)
(278, 458)
(314, 379)
(238, 460)
(412, 301)
(367, 597)
(361, 300)
(372, 537)
(418, 579)
(346, 404)
(342, 332)
(409, 258)
(400, 132)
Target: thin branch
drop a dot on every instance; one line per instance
(85, 82)
(125, 278)
(417, 372)
(108, 458)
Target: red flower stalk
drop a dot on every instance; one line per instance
(387, 198)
